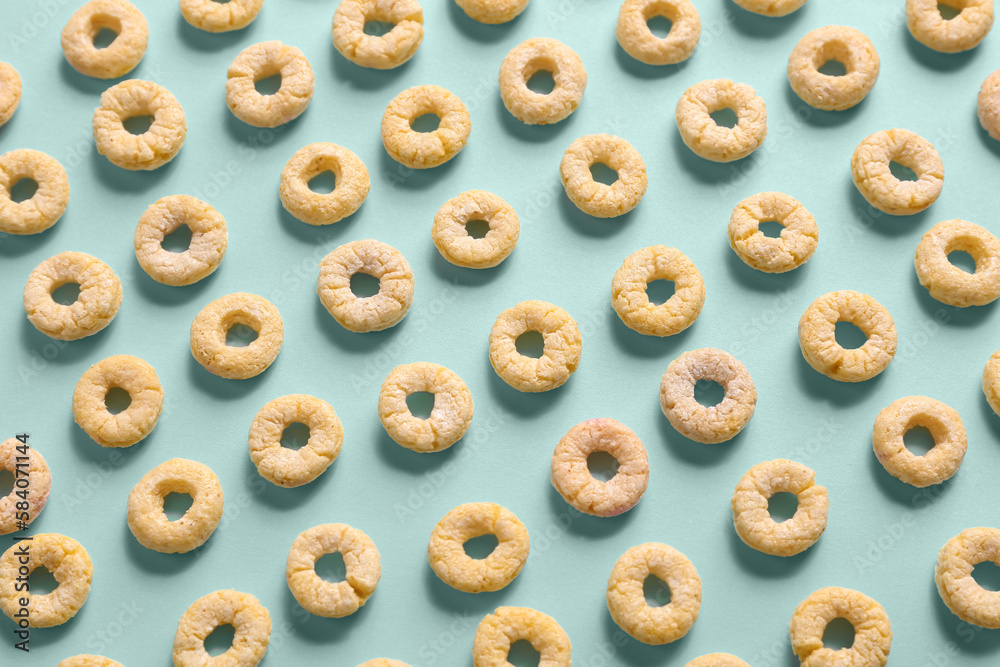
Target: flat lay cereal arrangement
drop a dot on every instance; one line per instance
(640, 333)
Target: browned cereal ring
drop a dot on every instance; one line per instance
(561, 351)
(424, 150)
(10, 91)
(492, 11)
(717, 660)
(847, 46)
(249, 618)
(542, 54)
(870, 168)
(964, 596)
(156, 146)
(991, 381)
(363, 314)
(349, 192)
(988, 105)
(96, 305)
(67, 561)
(638, 41)
(31, 477)
(212, 324)
(453, 566)
(378, 51)
(261, 61)
(792, 249)
(209, 239)
(770, 7)
(946, 282)
(630, 301)
(129, 426)
(872, 631)
(818, 342)
(595, 198)
(449, 419)
(89, 661)
(498, 631)
(959, 33)
(938, 464)
(212, 16)
(288, 467)
(452, 238)
(118, 58)
(363, 569)
(715, 142)
(44, 208)
(150, 524)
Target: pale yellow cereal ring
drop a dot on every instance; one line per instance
(31, 477)
(964, 596)
(630, 301)
(870, 168)
(424, 150)
(132, 424)
(212, 16)
(627, 603)
(717, 660)
(89, 661)
(288, 467)
(492, 11)
(638, 41)
(210, 326)
(818, 342)
(498, 631)
(139, 152)
(261, 61)
(249, 618)
(10, 91)
(561, 351)
(715, 142)
(383, 662)
(454, 567)
(572, 478)
(946, 282)
(542, 54)
(363, 569)
(209, 239)
(363, 314)
(449, 419)
(960, 33)
(989, 105)
(991, 381)
(96, 305)
(350, 187)
(452, 239)
(792, 249)
(770, 7)
(872, 630)
(44, 208)
(595, 198)
(118, 58)
(847, 46)
(67, 561)
(378, 51)
(944, 424)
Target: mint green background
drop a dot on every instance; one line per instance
(883, 536)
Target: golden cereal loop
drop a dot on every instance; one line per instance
(249, 618)
(508, 625)
(872, 631)
(717, 660)
(845, 45)
(542, 54)
(715, 142)
(118, 58)
(350, 187)
(630, 301)
(70, 566)
(96, 305)
(595, 198)
(770, 7)
(378, 51)
(10, 91)
(944, 424)
(870, 168)
(989, 105)
(212, 324)
(139, 152)
(946, 282)
(89, 661)
(446, 552)
(453, 241)
(560, 354)
(627, 603)
(449, 419)
(363, 569)
(424, 150)
(793, 248)
(380, 311)
(638, 41)
(961, 33)
(492, 11)
(132, 424)
(212, 16)
(150, 524)
(31, 477)
(960, 592)
(383, 662)
(261, 61)
(572, 478)
(991, 382)
(203, 255)
(818, 342)
(288, 467)
(44, 208)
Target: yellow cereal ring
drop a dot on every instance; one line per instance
(630, 301)
(961, 33)
(210, 326)
(288, 467)
(845, 45)
(717, 660)
(449, 419)
(946, 282)
(70, 566)
(492, 11)
(261, 61)
(424, 150)
(244, 612)
(988, 105)
(872, 631)
(638, 41)
(97, 304)
(791, 250)
(349, 192)
(964, 596)
(598, 199)
(363, 569)
(876, 182)
(209, 239)
(30, 477)
(937, 465)
(149, 523)
(139, 152)
(454, 567)
(383, 662)
(89, 661)
(453, 241)
(10, 91)
(818, 342)
(44, 208)
(770, 7)
(508, 625)
(561, 352)
(132, 424)
(212, 16)
(578, 487)
(991, 381)
(118, 58)
(378, 51)
(532, 56)
(715, 142)
(363, 314)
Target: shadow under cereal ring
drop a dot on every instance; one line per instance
(848, 46)
(793, 248)
(632, 304)
(288, 467)
(380, 311)
(314, 208)
(641, 43)
(130, 425)
(10, 91)
(117, 58)
(448, 421)
(44, 208)
(944, 424)
(872, 173)
(959, 33)
(212, 16)
(362, 570)
(425, 150)
(872, 631)
(34, 480)
(452, 239)
(953, 575)
(948, 283)
(70, 566)
(596, 198)
(261, 61)
(249, 618)
(508, 625)
(537, 55)
(211, 326)
(204, 253)
(139, 152)
(818, 342)
(96, 305)
(561, 348)
(455, 567)
(378, 51)
(148, 521)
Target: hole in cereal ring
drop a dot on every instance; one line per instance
(378, 28)
(832, 67)
(725, 117)
(104, 37)
(708, 392)
(41, 581)
(268, 85)
(919, 440)
(6, 482)
(947, 11)
(530, 344)
(781, 506)
(117, 400)
(323, 183)
(66, 294)
(364, 285)
(480, 547)
(659, 25)
(420, 404)
(602, 173)
(176, 505)
(427, 122)
(295, 436)
(839, 634)
(902, 172)
(659, 291)
(477, 229)
(330, 567)
(771, 228)
(177, 241)
(849, 336)
(220, 639)
(240, 335)
(23, 190)
(138, 124)
(987, 575)
(656, 591)
(523, 654)
(962, 260)
(541, 82)
(602, 466)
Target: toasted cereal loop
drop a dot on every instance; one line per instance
(630, 301)
(818, 342)
(424, 150)
(373, 313)
(363, 569)
(44, 208)
(378, 51)
(946, 282)
(872, 631)
(790, 250)
(717, 660)
(89, 661)
(627, 603)
(498, 631)
(96, 305)
(211, 326)
(125, 428)
(959, 590)
(383, 662)
(70, 566)
(715, 142)
(876, 182)
(212, 16)
(454, 567)
(118, 58)
(288, 467)
(989, 105)
(991, 381)
(10, 91)
(944, 424)
(350, 187)
(542, 54)
(492, 11)
(718, 423)
(449, 419)
(573, 480)
(770, 7)
(261, 61)
(150, 524)
(595, 198)
(452, 238)
(32, 478)
(961, 33)
(561, 351)
(638, 41)
(249, 618)
(209, 239)
(139, 152)
(847, 46)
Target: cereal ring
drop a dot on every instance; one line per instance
(139, 152)
(561, 351)
(212, 16)
(578, 487)
(452, 239)
(789, 251)
(249, 618)
(964, 596)
(288, 467)
(848, 46)
(818, 342)
(449, 419)
(770, 7)
(261, 61)
(363, 314)
(717, 660)
(718, 423)
(630, 301)
(598, 199)
(876, 182)
(70, 566)
(988, 107)
(44, 208)
(638, 41)
(148, 521)
(424, 150)
(991, 382)
(378, 51)
(96, 305)
(715, 142)
(460, 571)
(209, 239)
(492, 11)
(872, 631)
(116, 59)
(212, 324)
(361, 560)
(383, 662)
(125, 428)
(89, 661)
(960, 33)
(542, 54)
(627, 603)
(31, 476)
(508, 625)
(349, 192)
(10, 91)
(937, 465)
(946, 282)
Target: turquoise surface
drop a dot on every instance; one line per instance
(883, 537)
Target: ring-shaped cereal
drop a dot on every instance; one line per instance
(872, 630)
(771, 8)
(631, 302)
(31, 477)
(153, 148)
(848, 46)
(793, 248)
(67, 561)
(96, 305)
(638, 40)
(117, 58)
(449, 418)
(959, 33)
(129, 426)
(212, 16)
(205, 251)
(351, 184)
(498, 631)
(542, 54)
(711, 141)
(249, 618)
(362, 570)
(596, 198)
(44, 208)
(562, 346)
(288, 467)
(818, 341)
(261, 61)
(492, 12)
(87, 660)
(627, 603)
(958, 589)
(948, 283)
(989, 105)
(452, 239)
(150, 524)
(453, 566)
(379, 260)
(212, 324)
(10, 91)
(870, 169)
(573, 480)
(991, 382)
(425, 150)
(383, 662)
(378, 51)
(717, 660)
(945, 426)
